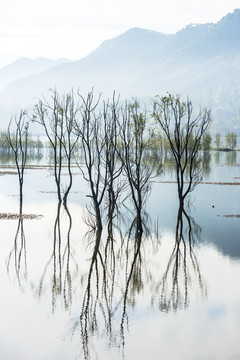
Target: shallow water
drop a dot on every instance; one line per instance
(138, 297)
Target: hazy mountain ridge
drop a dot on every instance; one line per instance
(202, 61)
(24, 67)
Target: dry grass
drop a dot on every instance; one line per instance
(8, 173)
(37, 167)
(201, 183)
(231, 216)
(55, 192)
(13, 216)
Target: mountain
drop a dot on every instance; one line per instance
(201, 61)
(24, 67)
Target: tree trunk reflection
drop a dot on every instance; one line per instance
(119, 272)
(19, 253)
(62, 262)
(182, 266)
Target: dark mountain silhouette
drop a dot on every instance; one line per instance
(201, 61)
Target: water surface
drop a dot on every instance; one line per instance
(69, 293)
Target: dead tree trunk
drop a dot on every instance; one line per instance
(184, 132)
(18, 141)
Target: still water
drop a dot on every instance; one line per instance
(69, 293)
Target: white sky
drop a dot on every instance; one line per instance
(73, 28)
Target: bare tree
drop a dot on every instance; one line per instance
(184, 132)
(135, 142)
(116, 183)
(50, 116)
(57, 119)
(18, 141)
(17, 138)
(90, 130)
(70, 138)
(231, 140)
(98, 132)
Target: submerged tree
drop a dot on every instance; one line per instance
(231, 140)
(70, 138)
(135, 142)
(184, 131)
(57, 118)
(98, 131)
(90, 129)
(114, 167)
(17, 137)
(206, 141)
(217, 140)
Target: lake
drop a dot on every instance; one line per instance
(171, 292)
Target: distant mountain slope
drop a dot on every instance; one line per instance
(202, 61)
(24, 67)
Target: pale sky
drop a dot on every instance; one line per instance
(73, 28)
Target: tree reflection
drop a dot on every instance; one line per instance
(99, 305)
(60, 260)
(119, 272)
(206, 163)
(134, 283)
(7, 158)
(217, 157)
(183, 270)
(18, 254)
(231, 158)
(113, 282)
(91, 299)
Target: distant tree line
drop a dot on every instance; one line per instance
(35, 145)
(209, 143)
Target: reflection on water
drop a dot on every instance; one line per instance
(61, 264)
(183, 267)
(217, 157)
(17, 257)
(18, 254)
(118, 275)
(231, 158)
(128, 290)
(113, 282)
(7, 158)
(206, 164)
